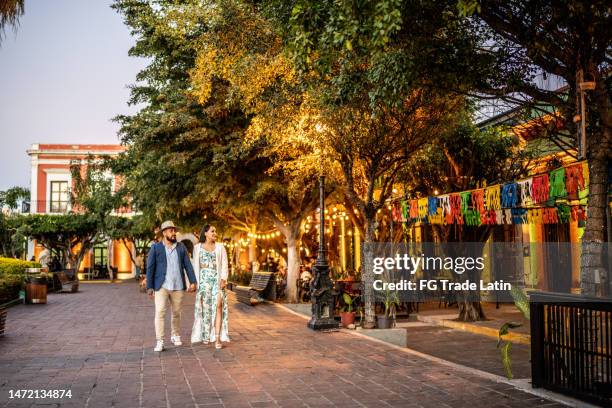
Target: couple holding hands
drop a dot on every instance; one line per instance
(167, 263)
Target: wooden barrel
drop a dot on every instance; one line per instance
(36, 292)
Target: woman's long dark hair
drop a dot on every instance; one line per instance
(203, 232)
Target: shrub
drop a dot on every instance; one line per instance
(13, 266)
(12, 273)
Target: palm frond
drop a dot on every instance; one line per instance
(10, 11)
(506, 361)
(521, 300)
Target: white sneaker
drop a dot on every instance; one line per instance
(159, 345)
(176, 340)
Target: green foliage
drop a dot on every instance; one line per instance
(137, 230)
(391, 302)
(12, 274)
(506, 361)
(465, 157)
(521, 301)
(505, 329)
(11, 266)
(348, 300)
(12, 242)
(12, 196)
(72, 234)
(185, 158)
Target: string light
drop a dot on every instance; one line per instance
(263, 236)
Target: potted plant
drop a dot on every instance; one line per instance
(347, 315)
(387, 320)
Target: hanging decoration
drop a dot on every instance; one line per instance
(540, 189)
(524, 187)
(510, 195)
(557, 184)
(558, 196)
(492, 198)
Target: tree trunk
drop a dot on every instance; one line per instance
(592, 270)
(235, 257)
(125, 242)
(292, 234)
(110, 252)
(293, 268)
(470, 311)
(451, 237)
(253, 246)
(367, 275)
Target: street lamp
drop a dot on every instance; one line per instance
(321, 295)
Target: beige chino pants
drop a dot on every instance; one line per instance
(161, 304)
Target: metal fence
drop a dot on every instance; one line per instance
(571, 345)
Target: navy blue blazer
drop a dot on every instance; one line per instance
(157, 265)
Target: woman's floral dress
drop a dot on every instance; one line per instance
(206, 302)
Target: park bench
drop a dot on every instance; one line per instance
(65, 280)
(260, 288)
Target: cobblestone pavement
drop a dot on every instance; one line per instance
(98, 344)
(468, 349)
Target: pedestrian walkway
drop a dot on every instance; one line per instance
(98, 343)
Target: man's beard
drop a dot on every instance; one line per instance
(171, 239)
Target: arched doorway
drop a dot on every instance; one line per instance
(189, 240)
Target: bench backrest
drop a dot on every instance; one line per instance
(63, 277)
(260, 280)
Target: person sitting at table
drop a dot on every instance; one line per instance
(305, 275)
(281, 281)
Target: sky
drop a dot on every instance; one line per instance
(63, 76)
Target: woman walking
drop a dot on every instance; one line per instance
(211, 312)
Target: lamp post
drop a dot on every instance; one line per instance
(321, 295)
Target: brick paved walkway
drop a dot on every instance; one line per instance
(99, 344)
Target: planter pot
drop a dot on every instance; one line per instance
(347, 318)
(384, 322)
(36, 292)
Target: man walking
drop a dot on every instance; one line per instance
(167, 263)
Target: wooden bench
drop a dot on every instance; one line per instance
(260, 288)
(65, 280)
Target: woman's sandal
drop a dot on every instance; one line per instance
(218, 345)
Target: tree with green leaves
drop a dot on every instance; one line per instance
(243, 50)
(230, 143)
(462, 159)
(13, 196)
(12, 243)
(570, 41)
(95, 194)
(177, 146)
(72, 235)
(137, 231)
(377, 107)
